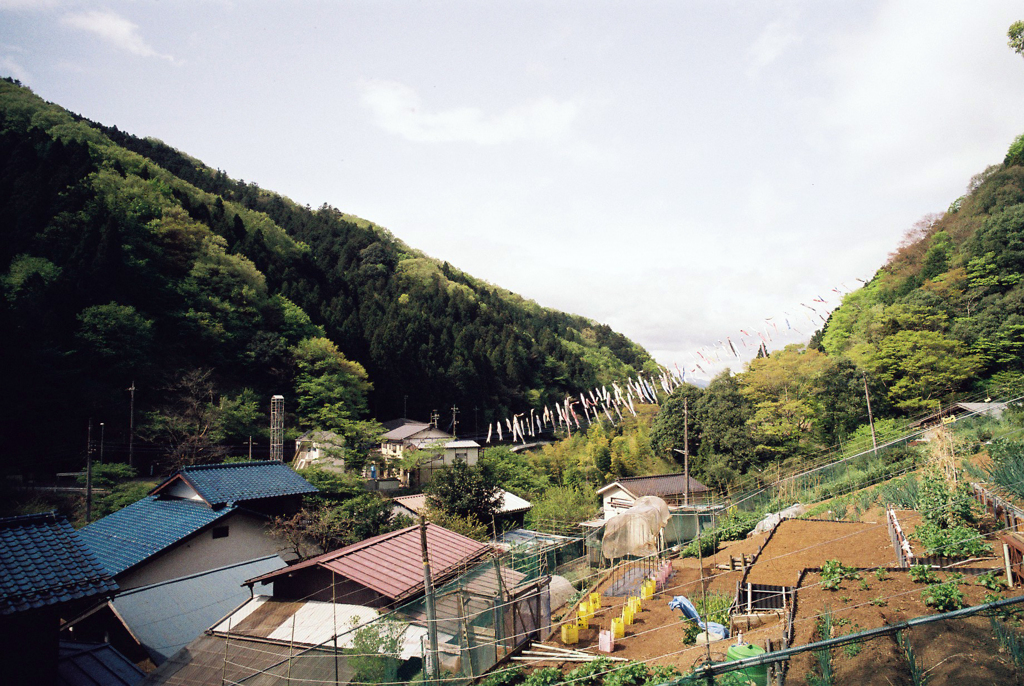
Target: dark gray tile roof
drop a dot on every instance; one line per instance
(135, 533)
(238, 482)
(662, 484)
(44, 562)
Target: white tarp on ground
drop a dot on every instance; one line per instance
(561, 589)
(635, 531)
(311, 623)
(773, 520)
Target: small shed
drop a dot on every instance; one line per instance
(674, 489)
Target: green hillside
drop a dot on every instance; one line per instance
(125, 260)
(946, 313)
(942, 320)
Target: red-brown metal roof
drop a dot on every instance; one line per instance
(392, 564)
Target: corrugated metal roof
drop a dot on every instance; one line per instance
(135, 533)
(662, 484)
(43, 561)
(95, 664)
(214, 661)
(166, 616)
(391, 564)
(238, 482)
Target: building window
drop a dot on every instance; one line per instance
(220, 532)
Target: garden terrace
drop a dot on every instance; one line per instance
(798, 544)
(955, 652)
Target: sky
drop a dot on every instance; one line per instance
(682, 171)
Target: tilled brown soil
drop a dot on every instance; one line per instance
(799, 544)
(954, 652)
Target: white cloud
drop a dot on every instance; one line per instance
(114, 29)
(11, 67)
(398, 109)
(770, 45)
(27, 4)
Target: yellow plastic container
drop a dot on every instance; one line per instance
(595, 601)
(584, 608)
(570, 634)
(647, 591)
(583, 621)
(634, 605)
(618, 627)
(627, 615)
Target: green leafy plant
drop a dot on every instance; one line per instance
(881, 574)
(923, 574)
(993, 580)
(827, 676)
(633, 674)
(547, 676)
(590, 673)
(918, 676)
(852, 649)
(376, 651)
(662, 673)
(690, 632)
(714, 607)
(864, 585)
(833, 572)
(505, 677)
(879, 601)
(943, 597)
(1011, 642)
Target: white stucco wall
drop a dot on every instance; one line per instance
(247, 539)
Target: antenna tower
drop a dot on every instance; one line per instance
(277, 428)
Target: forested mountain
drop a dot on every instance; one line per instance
(126, 260)
(946, 313)
(943, 319)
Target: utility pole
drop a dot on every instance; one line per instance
(455, 421)
(428, 588)
(102, 434)
(686, 448)
(871, 419)
(250, 448)
(685, 452)
(131, 428)
(88, 473)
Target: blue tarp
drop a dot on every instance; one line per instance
(681, 602)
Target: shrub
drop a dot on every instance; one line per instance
(923, 574)
(943, 597)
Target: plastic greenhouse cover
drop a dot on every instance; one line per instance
(635, 531)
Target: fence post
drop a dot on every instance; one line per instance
(750, 598)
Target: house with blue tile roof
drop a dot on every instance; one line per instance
(201, 518)
(46, 573)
